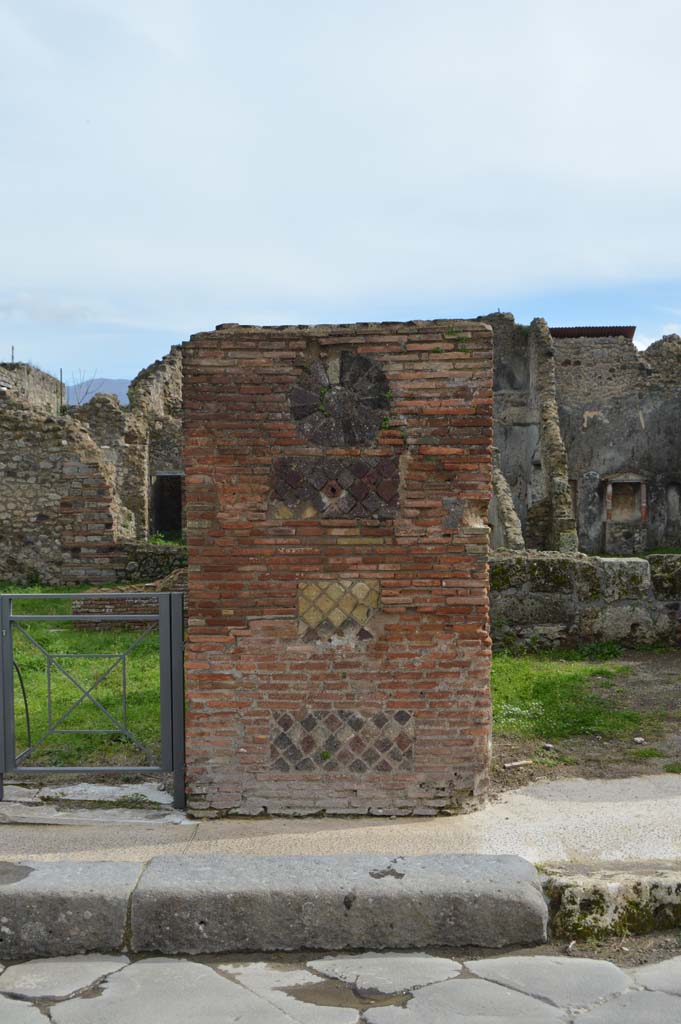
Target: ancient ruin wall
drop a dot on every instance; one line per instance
(338, 480)
(620, 413)
(545, 599)
(142, 439)
(504, 520)
(58, 511)
(33, 387)
(560, 533)
(157, 390)
(517, 420)
(597, 369)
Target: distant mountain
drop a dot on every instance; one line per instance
(78, 394)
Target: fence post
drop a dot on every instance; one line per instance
(166, 681)
(177, 661)
(6, 690)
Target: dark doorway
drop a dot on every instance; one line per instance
(166, 505)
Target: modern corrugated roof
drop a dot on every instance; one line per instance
(592, 332)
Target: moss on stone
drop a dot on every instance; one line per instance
(595, 913)
(552, 575)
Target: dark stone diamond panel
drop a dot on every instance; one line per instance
(342, 402)
(342, 741)
(336, 487)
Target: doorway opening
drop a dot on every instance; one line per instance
(167, 498)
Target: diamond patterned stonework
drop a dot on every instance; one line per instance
(337, 607)
(331, 488)
(342, 741)
(342, 401)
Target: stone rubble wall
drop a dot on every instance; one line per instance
(562, 529)
(33, 387)
(143, 438)
(599, 369)
(547, 599)
(157, 390)
(504, 520)
(57, 513)
(143, 562)
(75, 486)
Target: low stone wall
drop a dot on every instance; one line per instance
(142, 562)
(95, 606)
(547, 599)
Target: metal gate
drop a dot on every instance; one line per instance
(166, 619)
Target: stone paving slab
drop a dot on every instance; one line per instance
(663, 977)
(14, 1012)
(387, 973)
(158, 990)
(49, 814)
(152, 792)
(278, 986)
(180, 991)
(468, 1001)
(226, 903)
(637, 1008)
(561, 980)
(59, 976)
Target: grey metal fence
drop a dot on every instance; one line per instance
(167, 620)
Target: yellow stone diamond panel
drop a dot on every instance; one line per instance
(337, 607)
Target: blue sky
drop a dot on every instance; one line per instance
(170, 164)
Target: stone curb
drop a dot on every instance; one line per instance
(601, 900)
(229, 903)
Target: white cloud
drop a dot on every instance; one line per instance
(167, 163)
(40, 310)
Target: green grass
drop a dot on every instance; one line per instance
(63, 640)
(645, 753)
(549, 696)
(674, 768)
(546, 698)
(174, 539)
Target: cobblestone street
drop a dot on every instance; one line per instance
(386, 988)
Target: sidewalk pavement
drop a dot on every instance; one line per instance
(368, 989)
(579, 820)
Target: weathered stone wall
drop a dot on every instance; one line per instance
(571, 412)
(117, 449)
(506, 531)
(620, 412)
(517, 420)
(560, 532)
(527, 435)
(142, 439)
(547, 599)
(33, 387)
(142, 562)
(598, 369)
(58, 510)
(338, 480)
(158, 389)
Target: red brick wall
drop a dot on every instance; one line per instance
(383, 479)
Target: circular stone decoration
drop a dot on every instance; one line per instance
(341, 402)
